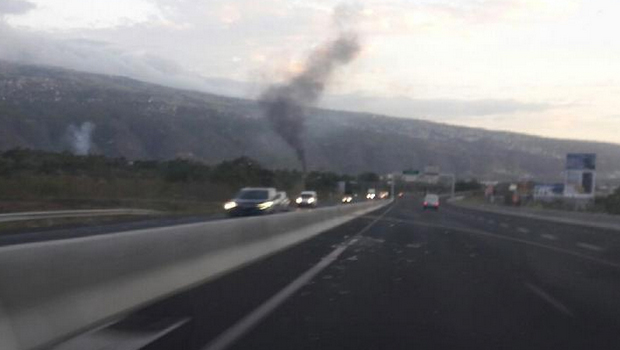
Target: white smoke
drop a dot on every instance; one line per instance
(80, 137)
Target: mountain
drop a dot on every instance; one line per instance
(46, 108)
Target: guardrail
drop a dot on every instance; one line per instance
(38, 215)
(50, 291)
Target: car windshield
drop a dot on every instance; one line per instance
(466, 154)
(253, 194)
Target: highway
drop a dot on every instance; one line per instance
(67, 231)
(400, 278)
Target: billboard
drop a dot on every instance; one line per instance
(431, 170)
(580, 175)
(581, 161)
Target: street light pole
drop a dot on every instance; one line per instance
(453, 184)
(393, 185)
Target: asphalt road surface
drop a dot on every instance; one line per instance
(401, 278)
(68, 231)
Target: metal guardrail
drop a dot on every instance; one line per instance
(39, 215)
(52, 290)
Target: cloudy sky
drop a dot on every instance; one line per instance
(549, 68)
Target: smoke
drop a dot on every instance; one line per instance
(80, 137)
(284, 104)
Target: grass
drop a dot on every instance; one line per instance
(33, 193)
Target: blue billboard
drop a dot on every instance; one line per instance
(581, 161)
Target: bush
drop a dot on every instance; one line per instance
(471, 185)
(612, 202)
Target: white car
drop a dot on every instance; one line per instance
(307, 199)
(431, 201)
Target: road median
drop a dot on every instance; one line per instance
(52, 290)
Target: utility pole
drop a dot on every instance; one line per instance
(393, 185)
(452, 185)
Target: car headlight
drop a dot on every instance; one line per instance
(298, 200)
(265, 205)
(229, 205)
(310, 200)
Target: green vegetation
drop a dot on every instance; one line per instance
(470, 185)
(612, 202)
(39, 180)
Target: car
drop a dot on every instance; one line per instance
(253, 201)
(431, 201)
(347, 198)
(282, 202)
(307, 199)
(371, 194)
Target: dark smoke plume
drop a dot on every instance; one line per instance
(284, 105)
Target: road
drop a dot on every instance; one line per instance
(401, 278)
(68, 231)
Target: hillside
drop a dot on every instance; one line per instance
(40, 106)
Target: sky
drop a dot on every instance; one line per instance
(548, 68)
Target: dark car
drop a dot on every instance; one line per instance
(253, 201)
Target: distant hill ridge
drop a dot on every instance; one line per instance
(133, 119)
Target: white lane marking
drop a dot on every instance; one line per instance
(106, 337)
(512, 239)
(244, 325)
(523, 230)
(549, 299)
(549, 237)
(589, 246)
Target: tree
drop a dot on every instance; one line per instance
(368, 177)
(612, 202)
(242, 171)
(470, 185)
(322, 181)
(183, 170)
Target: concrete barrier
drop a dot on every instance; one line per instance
(52, 290)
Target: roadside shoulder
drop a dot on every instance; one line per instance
(583, 219)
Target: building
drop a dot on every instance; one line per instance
(548, 192)
(580, 176)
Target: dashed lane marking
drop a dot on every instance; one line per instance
(247, 323)
(589, 246)
(549, 299)
(549, 237)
